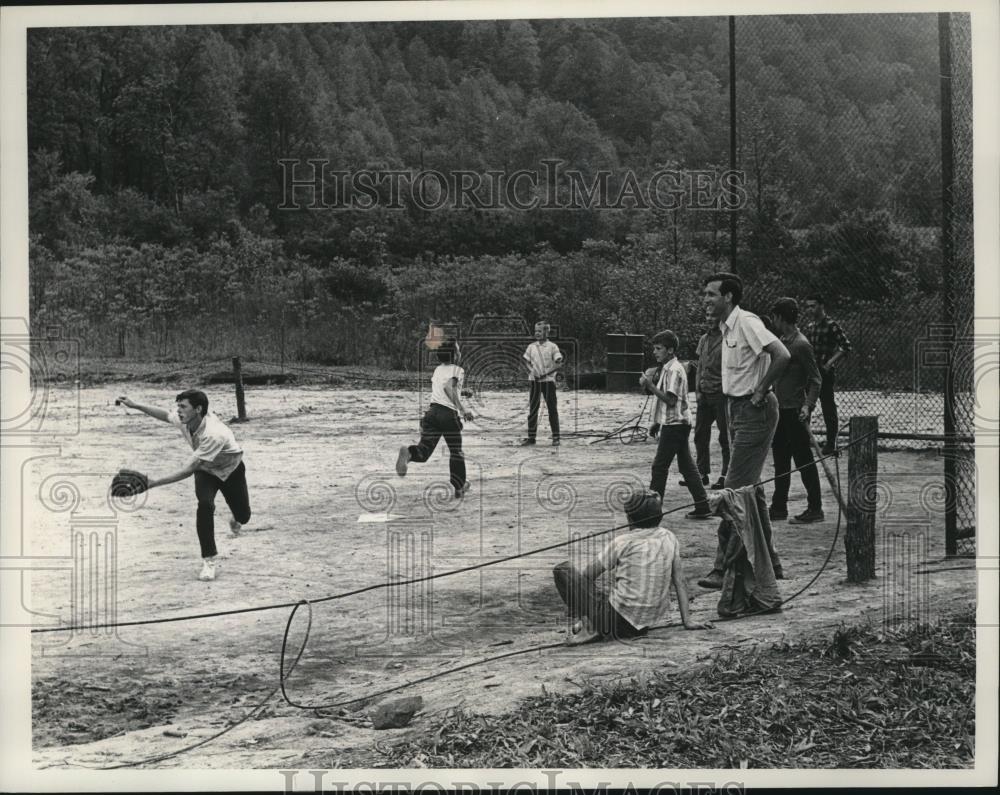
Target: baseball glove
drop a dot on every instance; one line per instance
(128, 483)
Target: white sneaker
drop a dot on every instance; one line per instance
(207, 570)
(234, 526)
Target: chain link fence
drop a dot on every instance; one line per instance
(898, 279)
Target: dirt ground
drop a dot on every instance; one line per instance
(317, 459)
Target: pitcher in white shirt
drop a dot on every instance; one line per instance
(216, 463)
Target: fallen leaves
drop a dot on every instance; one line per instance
(850, 700)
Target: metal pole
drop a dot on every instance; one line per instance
(947, 281)
(733, 214)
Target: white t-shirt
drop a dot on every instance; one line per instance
(744, 360)
(442, 375)
(542, 357)
(673, 379)
(641, 563)
(214, 444)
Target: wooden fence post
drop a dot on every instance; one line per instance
(862, 479)
(241, 406)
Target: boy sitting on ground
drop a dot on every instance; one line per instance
(641, 563)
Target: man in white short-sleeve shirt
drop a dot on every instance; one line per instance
(752, 360)
(216, 463)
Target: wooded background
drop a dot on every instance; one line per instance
(154, 180)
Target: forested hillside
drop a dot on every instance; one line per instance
(155, 178)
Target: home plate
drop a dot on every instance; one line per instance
(378, 518)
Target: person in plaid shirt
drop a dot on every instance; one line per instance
(830, 344)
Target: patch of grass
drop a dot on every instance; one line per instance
(864, 698)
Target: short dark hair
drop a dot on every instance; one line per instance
(196, 398)
(445, 352)
(644, 508)
(816, 297)
(731, 283)
(787, 309)
(667, 339)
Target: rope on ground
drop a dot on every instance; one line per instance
(283, 675)
(395, 584)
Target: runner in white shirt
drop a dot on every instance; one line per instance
(216, 463)
(543, 359)
(443, 418)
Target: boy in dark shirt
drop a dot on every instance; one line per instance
(797, 389)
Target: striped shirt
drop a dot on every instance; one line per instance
(744, 360)
(673, 379)
(213, 442)
(541, 358)
(640, 563)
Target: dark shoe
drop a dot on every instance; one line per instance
(808, 517)
(461, 492)
(704, 481)
(719, 484)
(712, 581)
(555, 442)
(776, 514)
(526, 442)
(402, 460)
(828, 449)
(699, 515)
(779, 573)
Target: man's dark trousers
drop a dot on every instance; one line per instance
(829, 404)
(234, 489)
(441, 421)
(711, 408)
(791, 440)
(548, 389)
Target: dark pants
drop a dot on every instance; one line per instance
(582, 598)
(234, 489)
(791, 440)
(751, 429)
(711, 408)
(829, 405)
(538, 389)
(441, 421)
(674, 441)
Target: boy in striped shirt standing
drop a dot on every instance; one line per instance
(673, 417)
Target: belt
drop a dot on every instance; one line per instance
(745, 397)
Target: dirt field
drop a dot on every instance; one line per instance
(316, 460)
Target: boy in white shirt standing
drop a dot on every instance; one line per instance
(544, 359)
(216, 463)
(442, 418)
(673, 417)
